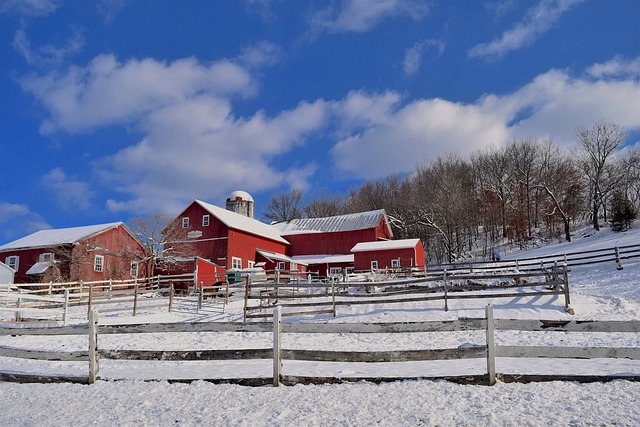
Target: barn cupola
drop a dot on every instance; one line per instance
(242, 203)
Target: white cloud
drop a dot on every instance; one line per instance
(109, 92)
(47, 55)
(538, 20)
(18, 220)
(29, 7)
(618, 66)
(109, 9)
(413, 55)
(261, 54)
(400, 135)
(69, 193)
(362, 15)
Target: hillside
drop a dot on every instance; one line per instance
(598, 292)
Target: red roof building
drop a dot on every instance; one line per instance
(388, 254)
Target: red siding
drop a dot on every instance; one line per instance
(409, 257)
(219, 243)
(117, 246)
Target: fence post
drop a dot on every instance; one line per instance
(50, 287)
(247, 289)
(135, 300)
(333, 297)
(18, 304)
(619, 264)
(90, 298)
(491, 347)
(170, 297)
(66, 306)
(444, 281)
(567, 299)
(277, 345)
(200, 297)
(94, 368)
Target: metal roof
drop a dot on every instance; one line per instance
(349, 222)
(60, 236)
(385, 245)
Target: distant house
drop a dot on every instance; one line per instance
(6, 274)
(91, 253)
(388, 254)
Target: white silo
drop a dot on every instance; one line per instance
(242, 203)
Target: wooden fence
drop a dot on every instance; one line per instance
(277, 354)
(304, 298)
(617, 255)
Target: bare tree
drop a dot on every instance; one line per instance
(285, 206)
(324, 206)
(596, 147)
(162, 238)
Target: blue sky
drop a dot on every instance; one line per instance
(116, 108)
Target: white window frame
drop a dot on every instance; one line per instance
(236, 263)
(293, 266)
(98, 264)
(251, 264)
(205, 220)
(46, 256)
(13, 261)
(185, 222)
(374, 264)
(134, 269)
(395, 263)
(281, 265)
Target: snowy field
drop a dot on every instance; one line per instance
(597, 292)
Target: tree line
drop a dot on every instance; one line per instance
(514, 194)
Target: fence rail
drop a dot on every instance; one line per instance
(278, 354)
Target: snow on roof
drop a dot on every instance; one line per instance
(60, 236)
(271, 256)
(323, 259)
(349, 222)
(243, 223)
(385, 245)
(242, 195)
(39, 267)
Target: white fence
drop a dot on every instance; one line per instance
(490, 351)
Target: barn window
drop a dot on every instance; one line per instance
(236, 262)
(335, 271)
(13, 261)
(281, 265)
(374, 265)
(251, 264)
(294, 266)
(47, 256)
(205, 220)
(395, 263)
(185, 222)
(98, 263)
(134, 269)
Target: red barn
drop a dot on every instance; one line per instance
(224, 237)
(325, 243)
(388, 254)
(91, 253)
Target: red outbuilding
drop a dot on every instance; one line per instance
(403, 253)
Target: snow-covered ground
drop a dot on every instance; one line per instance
(598, 292)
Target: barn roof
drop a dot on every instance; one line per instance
(274, 256)
(242, 223)
(385, 245)
(59, 236)
(323, 259)
(349, 222)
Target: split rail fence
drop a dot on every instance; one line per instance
(277, 354)
(305, 298)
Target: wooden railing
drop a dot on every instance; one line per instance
(277, 353)
(304, 298)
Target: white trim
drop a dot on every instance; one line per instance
(134, 269)
(185, 222)
(374, 264)
(395, 263)
(98, 264)
(13, 262)
(206, 220)
(236, 262)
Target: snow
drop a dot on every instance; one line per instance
(332, 224)
(124, 398)
(59, 236)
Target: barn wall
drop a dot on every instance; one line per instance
(244, 245)
(362, 260)
(328, 243)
